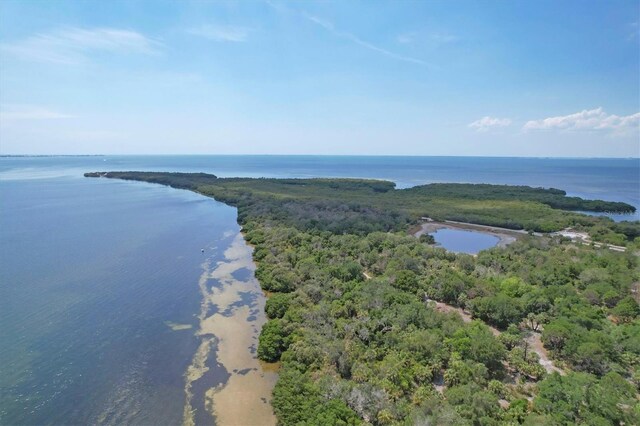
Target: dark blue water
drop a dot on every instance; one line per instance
(459, 241)
(607, 179)
(91, 270)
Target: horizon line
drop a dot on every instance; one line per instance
(322, 155)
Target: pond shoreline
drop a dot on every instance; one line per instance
(505, 236)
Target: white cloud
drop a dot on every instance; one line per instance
(222, 32)
(71, 45)
(328, 26)
(487, 123)
(29, 112)
(333, 30)
(588, 120)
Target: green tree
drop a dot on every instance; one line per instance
(473, 403)
(475, 342)
(406, 280)
(556, 334)
(590, 357)
(563, 397)
(273, 341)
(427, 239)
(277, 305)
(627, 309)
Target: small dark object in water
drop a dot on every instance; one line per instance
(202, 250)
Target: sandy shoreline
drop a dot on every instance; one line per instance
(505, 236)
(234, 328)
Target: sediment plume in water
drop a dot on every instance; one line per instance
(233, 330)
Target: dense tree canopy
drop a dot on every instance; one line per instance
(362, 206)
(353, 317)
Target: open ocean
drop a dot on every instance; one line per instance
(99, 278)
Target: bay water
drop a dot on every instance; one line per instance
(99, 279)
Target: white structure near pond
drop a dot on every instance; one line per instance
(583, 237)
(573, 234)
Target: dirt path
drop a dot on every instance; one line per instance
(466, 317)
(535, 343)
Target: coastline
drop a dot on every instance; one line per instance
(227, 402)
(231, 317)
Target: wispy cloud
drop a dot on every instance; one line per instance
(488, 123)
(12, 112)
(588, 120)
(72, 45)
(228, 33)
(331, 28)
(353, 38)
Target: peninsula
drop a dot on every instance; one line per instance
(373, 325)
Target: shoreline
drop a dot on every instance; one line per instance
(234, 328)
(505, 236)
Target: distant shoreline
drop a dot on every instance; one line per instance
(323, 156)
(52, 155)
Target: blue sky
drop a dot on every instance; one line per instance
(501, 78)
